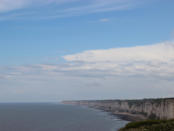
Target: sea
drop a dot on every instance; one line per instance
(55, 117)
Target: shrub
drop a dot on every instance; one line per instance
(150, 125)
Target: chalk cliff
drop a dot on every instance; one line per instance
(133, 109)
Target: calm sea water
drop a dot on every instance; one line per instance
(55, 117)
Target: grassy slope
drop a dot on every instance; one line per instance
(150, 125)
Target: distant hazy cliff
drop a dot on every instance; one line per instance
(133, 109)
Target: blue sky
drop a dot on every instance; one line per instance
(33, 40)
(51, 34)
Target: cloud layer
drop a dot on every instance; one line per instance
(9, 5)
(60, 8)
(157, 59)
(148, 61)
(132, 72)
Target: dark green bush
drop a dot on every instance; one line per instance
(150, 125)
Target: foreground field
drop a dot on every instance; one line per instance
(150, 125)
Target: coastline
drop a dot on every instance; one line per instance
(118, 117)
(132, 110)
(122, 116)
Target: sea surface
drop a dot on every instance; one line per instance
(55, 117)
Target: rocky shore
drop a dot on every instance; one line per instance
(133, 110)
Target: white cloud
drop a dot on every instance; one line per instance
(151, 60)
(41, 8)
(104, 20)
(132, 72)
(8, 5)
(157, 59)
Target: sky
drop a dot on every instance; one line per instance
(53, 50)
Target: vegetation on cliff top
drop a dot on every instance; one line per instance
(150, 125)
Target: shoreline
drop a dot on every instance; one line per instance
(121, 115)
(117, 117)
(132, 110)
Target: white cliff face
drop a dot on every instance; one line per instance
(148, 108)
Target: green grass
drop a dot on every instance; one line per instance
(150, 125)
